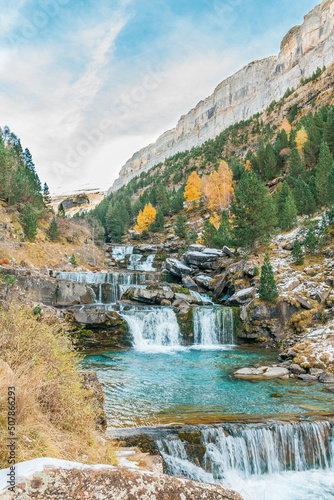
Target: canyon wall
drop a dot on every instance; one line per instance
(249, 91)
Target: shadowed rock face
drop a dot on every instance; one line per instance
(249, 91)
(114, 484)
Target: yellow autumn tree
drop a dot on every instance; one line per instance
(192, 191)
(301, 138)
(215, 220)
(145, 218)
(218, 187)
(248, 165)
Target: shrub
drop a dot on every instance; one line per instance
(54, 413)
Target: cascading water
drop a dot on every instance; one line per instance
(282, 461)
(153, 327)
(120, 252)
(213, 326)
(117, 283)
(136, 263)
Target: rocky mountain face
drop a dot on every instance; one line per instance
(250, 90)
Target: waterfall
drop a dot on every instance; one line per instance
(117, 283)
(120, 252)
(91, 278)
(213, 326)
(153, 327)
(136, 263)
(201, 297)
(285, 461)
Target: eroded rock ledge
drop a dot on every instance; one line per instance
(118, 483)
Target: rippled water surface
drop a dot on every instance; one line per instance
(187, 385)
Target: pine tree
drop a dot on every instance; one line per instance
(268, 290)
(73, 260)
(224, 232)
(330, 188)
(209, 234)
(288, 217)
(311, 242)
(325, 164)
(180, 227)
(53, 232)
(158, 224)
(46, 195)
(323, 232)
(270, 163)
(253, 210)
(297, 253)
(312, 145)
(296, 166)
(29, 221)
(329, 130)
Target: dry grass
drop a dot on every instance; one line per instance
(54, 415)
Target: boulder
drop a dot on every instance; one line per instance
(204, 281)
(213, 251)
(202, 260)
(196, 248)
(307, 377)
(326, 378)
(322, 296)
(249, 269)
(296, 369)
(71, 292)
(265, 372)
(241, 297)
(189, 283)
(176, 268)
(150, 295)
(51, 478)
(288, 246)
(228, 251)
(187, 298)
(304, 303)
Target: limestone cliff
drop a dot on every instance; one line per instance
(249, 91)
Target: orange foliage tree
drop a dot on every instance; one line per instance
(286, 126)
(145, 218)
(192, 191)
(218, 188)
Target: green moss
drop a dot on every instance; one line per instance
(186, 326)
(238, 325)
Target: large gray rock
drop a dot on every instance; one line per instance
(326, 378)
(202, 260)
(263, 372)
(110, 483)
(71, 292)
(189, 283)
(241, 297)
(205, 281)
(296, 369)
(55, 292)
(304, 303)
(196, 248)
(177, 268)
(152, 294)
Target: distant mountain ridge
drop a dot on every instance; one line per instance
(249, 91)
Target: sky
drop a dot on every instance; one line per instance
(86, 83)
